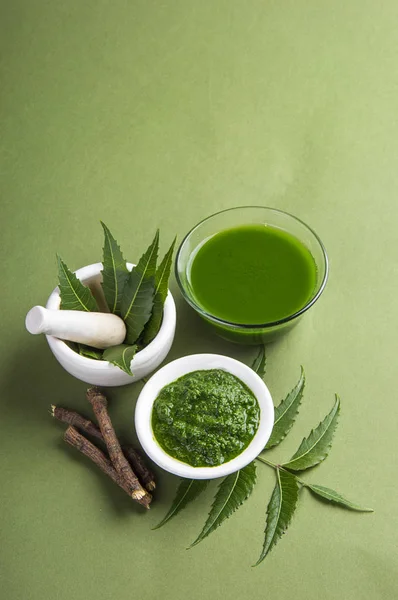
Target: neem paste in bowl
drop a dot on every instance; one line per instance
(205, 418)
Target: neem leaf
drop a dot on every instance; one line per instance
(114, 272)
(259, 363)
(89, 352)
(187, 491)
(74, 295)
(161, 288)
(316, 447)
(137, 299)
(280, 510)
(335, 497)
(285, 413)
(121, 356)
(232, 492)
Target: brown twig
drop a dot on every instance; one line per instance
(78, 441)
(135, 459)
(119, 461)
(72, 417)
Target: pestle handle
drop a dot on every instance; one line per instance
(100, 330)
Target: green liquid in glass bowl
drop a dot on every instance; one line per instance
(251, 272)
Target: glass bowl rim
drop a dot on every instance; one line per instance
(253, 326)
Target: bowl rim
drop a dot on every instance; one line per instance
(253, 326)
(178, 368)
(142, 357)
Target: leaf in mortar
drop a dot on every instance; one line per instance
(259, 363)
(72, 345)
(335, 497)
(316, 447)
(137, 299)
(280, 510)
(74, 295)
(187, 491)
(121, 356)
(232, 492)
(286, 412)
(114, 272)
(161, 288)
(90, 352)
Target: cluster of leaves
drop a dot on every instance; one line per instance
(137, 296)
(237, 487)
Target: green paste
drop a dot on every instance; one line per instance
(205, 418)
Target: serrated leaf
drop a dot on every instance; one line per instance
(89, 352)
(286, 412)
(280, 510)
(137, 299)
(232, 492)
(316, 447)
(188, 490)
(161, 288)
(121, 356)
(335, 497)
(259, 363)
(114, 272)
(74, 295)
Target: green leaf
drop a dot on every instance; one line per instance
(280, 510)
(121, 356)
(187, 491)
(316, 447)
(259, 363)
(161, 288)
(74, 295)
(90, 352)
(332, 496)
(137, 299)
(286, 412)
(114, 272)
(232, 492)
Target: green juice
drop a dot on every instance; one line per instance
(252, 275)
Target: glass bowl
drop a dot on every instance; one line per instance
(249, 215)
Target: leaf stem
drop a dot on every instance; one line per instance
(266, 462)
(274, 466)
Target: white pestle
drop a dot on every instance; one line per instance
(100, 330)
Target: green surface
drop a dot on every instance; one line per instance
(160, 113)
(205, 418)
(253, 275)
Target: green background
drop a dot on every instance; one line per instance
(159, 113)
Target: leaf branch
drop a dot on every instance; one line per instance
(114, 272)
(188, 490)
(280, 510)
(232, 492)
(316, 447)
(286, 412)
(259, 362)
(74, 295)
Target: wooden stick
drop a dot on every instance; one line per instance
(134, 457)
(119, 461)
(78, 441)
(72, 417)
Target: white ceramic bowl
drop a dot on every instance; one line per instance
(178, 368)
(101, 372)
